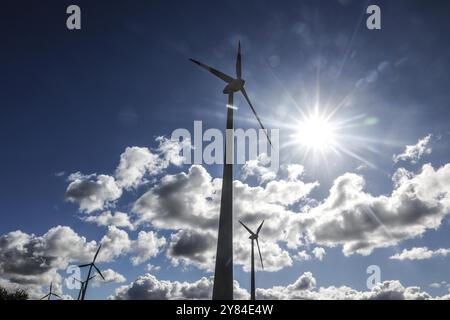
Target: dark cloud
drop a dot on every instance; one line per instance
(191, 244)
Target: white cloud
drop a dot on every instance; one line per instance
(435, 285)
(135, 163)
(184, 200)
(171, 151)
(259, 168)
(92, 192)
(148, 287)
(110, 276)
(421, 253)
(116, 243)
(151, 267)
(191, 201)
(305, 288)
(361, 222)
(146, 246)
(274, 257)
(302, 256)
(32, 262)
(98, 192)
(319, 253)
(414, 153)
(107, 218)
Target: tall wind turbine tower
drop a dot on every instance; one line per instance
(223, 275)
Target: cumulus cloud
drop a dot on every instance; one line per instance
(414, 153)
(190, 202)
(259, 168)
(34, 261)
(92, 192)
(151, 267)
(146, 246)
(188, 247)
(31, 261)
(148, 287)
(304, 288)
(183, 200)
(107, 218)
(116, 243)
(302, 256)
(421, 253)
(97, 192)
(319, 253)
(275, 258)
(361, 222)
(135, 163)
(435, 285)
(110, 276)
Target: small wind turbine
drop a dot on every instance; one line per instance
(82, 283)
(50, 293)
(253, 237)
(90, 265)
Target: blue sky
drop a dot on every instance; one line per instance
(73, 101)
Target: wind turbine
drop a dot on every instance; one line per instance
(50, 293)
(223, 274)
(90, 265)
(254, 236)
(82, 283)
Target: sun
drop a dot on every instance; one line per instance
(316, 132)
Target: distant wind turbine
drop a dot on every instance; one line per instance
(50, 293)
(223, 273)
(254, 236)
(90, 265)
(82, 283)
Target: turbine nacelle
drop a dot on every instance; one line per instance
(253, 237)
(235, 86)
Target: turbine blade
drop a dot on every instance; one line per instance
(56, 295)
(260, 256)
(96, 254)
(215, 72)
(251, 232)
(92, 277)
(256, 115)
(238, 62)
(45, 296)
(51, 285)
(259, 228)
(99, 272)
(84, 265)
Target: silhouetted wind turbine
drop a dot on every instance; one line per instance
(223, 274)
(82, 283)
(254, 236)
(50, 293)
(90, 265)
